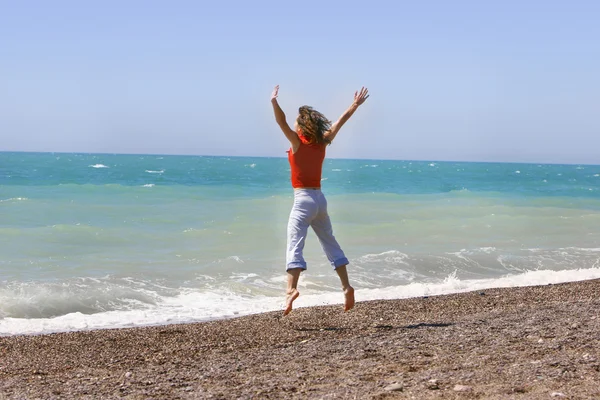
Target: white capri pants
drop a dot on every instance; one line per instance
(310, 209)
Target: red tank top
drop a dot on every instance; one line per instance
(306, 164)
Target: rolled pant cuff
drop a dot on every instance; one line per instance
(296, 264)
(339, 262)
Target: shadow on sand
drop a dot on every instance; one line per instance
(331, 328)
(415, 326)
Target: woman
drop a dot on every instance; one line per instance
(313, 132)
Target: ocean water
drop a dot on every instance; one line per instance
(93, 241)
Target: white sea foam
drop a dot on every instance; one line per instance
(98, 166)
(454, 285)
(242, 276)
(388, 257)
(229, 259)
(188, 230)
(193, 305)
(149, 185)
(14, 199)
(487, 250)
(155, 172)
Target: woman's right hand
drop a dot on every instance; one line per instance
(275, 93)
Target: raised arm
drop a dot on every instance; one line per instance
(359, 98)
(280, 118)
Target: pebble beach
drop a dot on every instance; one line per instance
(538, 342)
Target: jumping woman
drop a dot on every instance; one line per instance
(311, 135)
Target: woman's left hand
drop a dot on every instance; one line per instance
(360, 98)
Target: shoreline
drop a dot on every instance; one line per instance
(43, 327)
(521, 342)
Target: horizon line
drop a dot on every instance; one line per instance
(283, 157)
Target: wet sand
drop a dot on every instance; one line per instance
(519, 343)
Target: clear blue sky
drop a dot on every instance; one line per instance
(450, 80)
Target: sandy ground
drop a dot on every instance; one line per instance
(517, 343)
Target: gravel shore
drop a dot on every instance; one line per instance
(540, 342)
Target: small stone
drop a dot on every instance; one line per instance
(432, 384)
(557, 394)
(462, 388)
(575, 326)
(394, 387)
(128, 374)
(541, 341)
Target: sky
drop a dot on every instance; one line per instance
(512, 81)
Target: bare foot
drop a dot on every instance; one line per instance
(289, 299)
(348, 298)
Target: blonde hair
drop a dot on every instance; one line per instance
(313, 125)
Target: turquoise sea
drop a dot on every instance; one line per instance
(91, 241)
